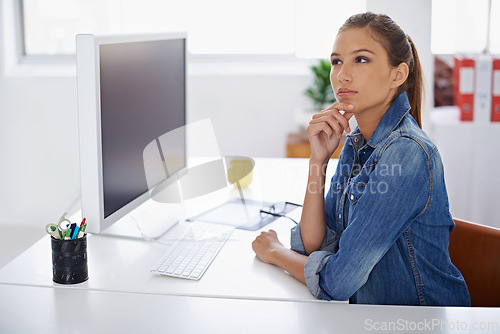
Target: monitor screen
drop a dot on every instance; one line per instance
(131, 92)
(142, 98)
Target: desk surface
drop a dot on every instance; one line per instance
(117, 264)
(123, 265)
(45, 310)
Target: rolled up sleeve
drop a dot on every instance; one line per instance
(315, 263)
(316, 260)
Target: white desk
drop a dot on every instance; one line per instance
(124, 264)
(45, 310)
(118, 264)
(238, 293)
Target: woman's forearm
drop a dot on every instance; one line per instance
(313, 222)
(290, 261)
(269, 249)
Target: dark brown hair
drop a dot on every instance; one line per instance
(400, 49)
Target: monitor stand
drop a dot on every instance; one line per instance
(149, 221)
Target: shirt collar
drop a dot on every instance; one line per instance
(391, 119)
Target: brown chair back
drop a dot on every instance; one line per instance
(475, 251)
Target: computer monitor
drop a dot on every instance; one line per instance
(131, 91)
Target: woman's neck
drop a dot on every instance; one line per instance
(368, 119)
(368, 122)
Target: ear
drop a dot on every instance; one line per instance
(400, 74)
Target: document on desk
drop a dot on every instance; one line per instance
(247, 215)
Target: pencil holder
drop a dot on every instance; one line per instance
(69, 260)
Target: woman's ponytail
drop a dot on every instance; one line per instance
(414, 85)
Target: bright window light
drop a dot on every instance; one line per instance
(245, 27)
(495, 27)
(50, 26)
(460, 26)
(302, 27)
(216, 26)
(318, 22)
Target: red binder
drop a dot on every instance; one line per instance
(463, 88)
(495, 90)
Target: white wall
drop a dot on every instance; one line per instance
(251, 115)
(39, 134)
(39, 149)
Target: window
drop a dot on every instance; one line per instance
(49, 26)
(317, 24)
(461, 26)
(302, 28)
(305, 28)
(495, 27)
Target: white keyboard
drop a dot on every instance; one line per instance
(190, 256)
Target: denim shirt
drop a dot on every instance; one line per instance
(388, 221)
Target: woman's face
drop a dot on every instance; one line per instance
(361, 74)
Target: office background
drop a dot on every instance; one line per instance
(250, 101)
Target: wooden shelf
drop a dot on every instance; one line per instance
(297, 146)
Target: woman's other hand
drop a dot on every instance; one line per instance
(265, 244)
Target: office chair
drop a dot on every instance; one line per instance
(475, 251)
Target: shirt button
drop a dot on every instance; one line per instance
(352, 197)
(340, 216)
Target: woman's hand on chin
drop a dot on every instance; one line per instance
(326, 128)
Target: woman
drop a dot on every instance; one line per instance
(380, 236)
